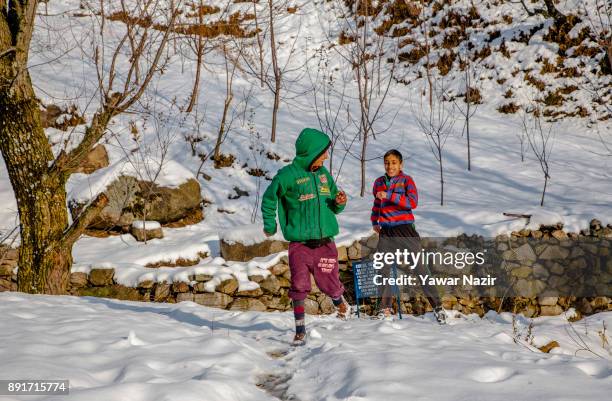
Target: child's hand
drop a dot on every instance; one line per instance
(340, 198)
(376, 228)
(381, 195)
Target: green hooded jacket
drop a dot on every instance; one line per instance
(306, 199)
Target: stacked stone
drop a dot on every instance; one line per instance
(272, 294)
(8, 262)
(100, 282)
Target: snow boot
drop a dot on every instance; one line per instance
(385, 314)
(299, 339)
(343, 310)
(440, 315)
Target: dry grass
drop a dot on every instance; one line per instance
(256, 172)
(200, 11)
(413, 56)
(586, 51)
(345, 39)
(475, 97)
(483, 53)
(445, 62)
(453, 39)
(553, 99)
(122, 16)
(547, 67)
(508, 108)
(180, 262)
(503, 49)
(559, 33)
(570, 72)
(531, 80)
(232, 26)
(224, 161)
(51, 117)
(566, 90)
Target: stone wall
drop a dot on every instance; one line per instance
(272, 294)
(8, 262)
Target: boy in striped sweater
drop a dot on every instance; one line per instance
(395, 195)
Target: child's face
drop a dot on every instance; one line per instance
(319, 161)
(393, 165)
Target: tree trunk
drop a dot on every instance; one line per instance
(196, 83)
(364, 145)
(44, 258)
(467, 130)
(217, 153)
(441, 177)
(468, 99)
(275, 109)
(544, 190)
(259, 45)
(608, 47)
(199, 45)
(277, 73)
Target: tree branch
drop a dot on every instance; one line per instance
(66, 163)
(528, 11)
(553, 11)
(112, 105)
(72, 234)
(7, 51)
(154, 64)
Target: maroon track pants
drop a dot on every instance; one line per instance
(322, 262)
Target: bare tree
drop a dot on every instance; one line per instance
(37, 177)
(520, 134)
(201, 41)
(259, 43)
(329, 87)
(275, 70)
(549, 9)
(363, 51)
(599, 20)
(198, 44)
(471, 99)
(436, 121)
(273, 75)
(231, 58)
(540, 140)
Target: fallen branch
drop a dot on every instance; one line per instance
(518, 215)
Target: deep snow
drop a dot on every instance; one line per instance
(117, 350)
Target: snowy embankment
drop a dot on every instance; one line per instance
(112, 350)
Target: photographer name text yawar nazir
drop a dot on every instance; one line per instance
(426, 279)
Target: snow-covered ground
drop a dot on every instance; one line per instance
(113, 350)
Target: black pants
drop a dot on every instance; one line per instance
(402, 237)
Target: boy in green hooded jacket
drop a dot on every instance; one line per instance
(307, 200)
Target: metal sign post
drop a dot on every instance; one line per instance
(363, 278)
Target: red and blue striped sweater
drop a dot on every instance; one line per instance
(402, 197)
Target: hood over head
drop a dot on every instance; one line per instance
(311, 144)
